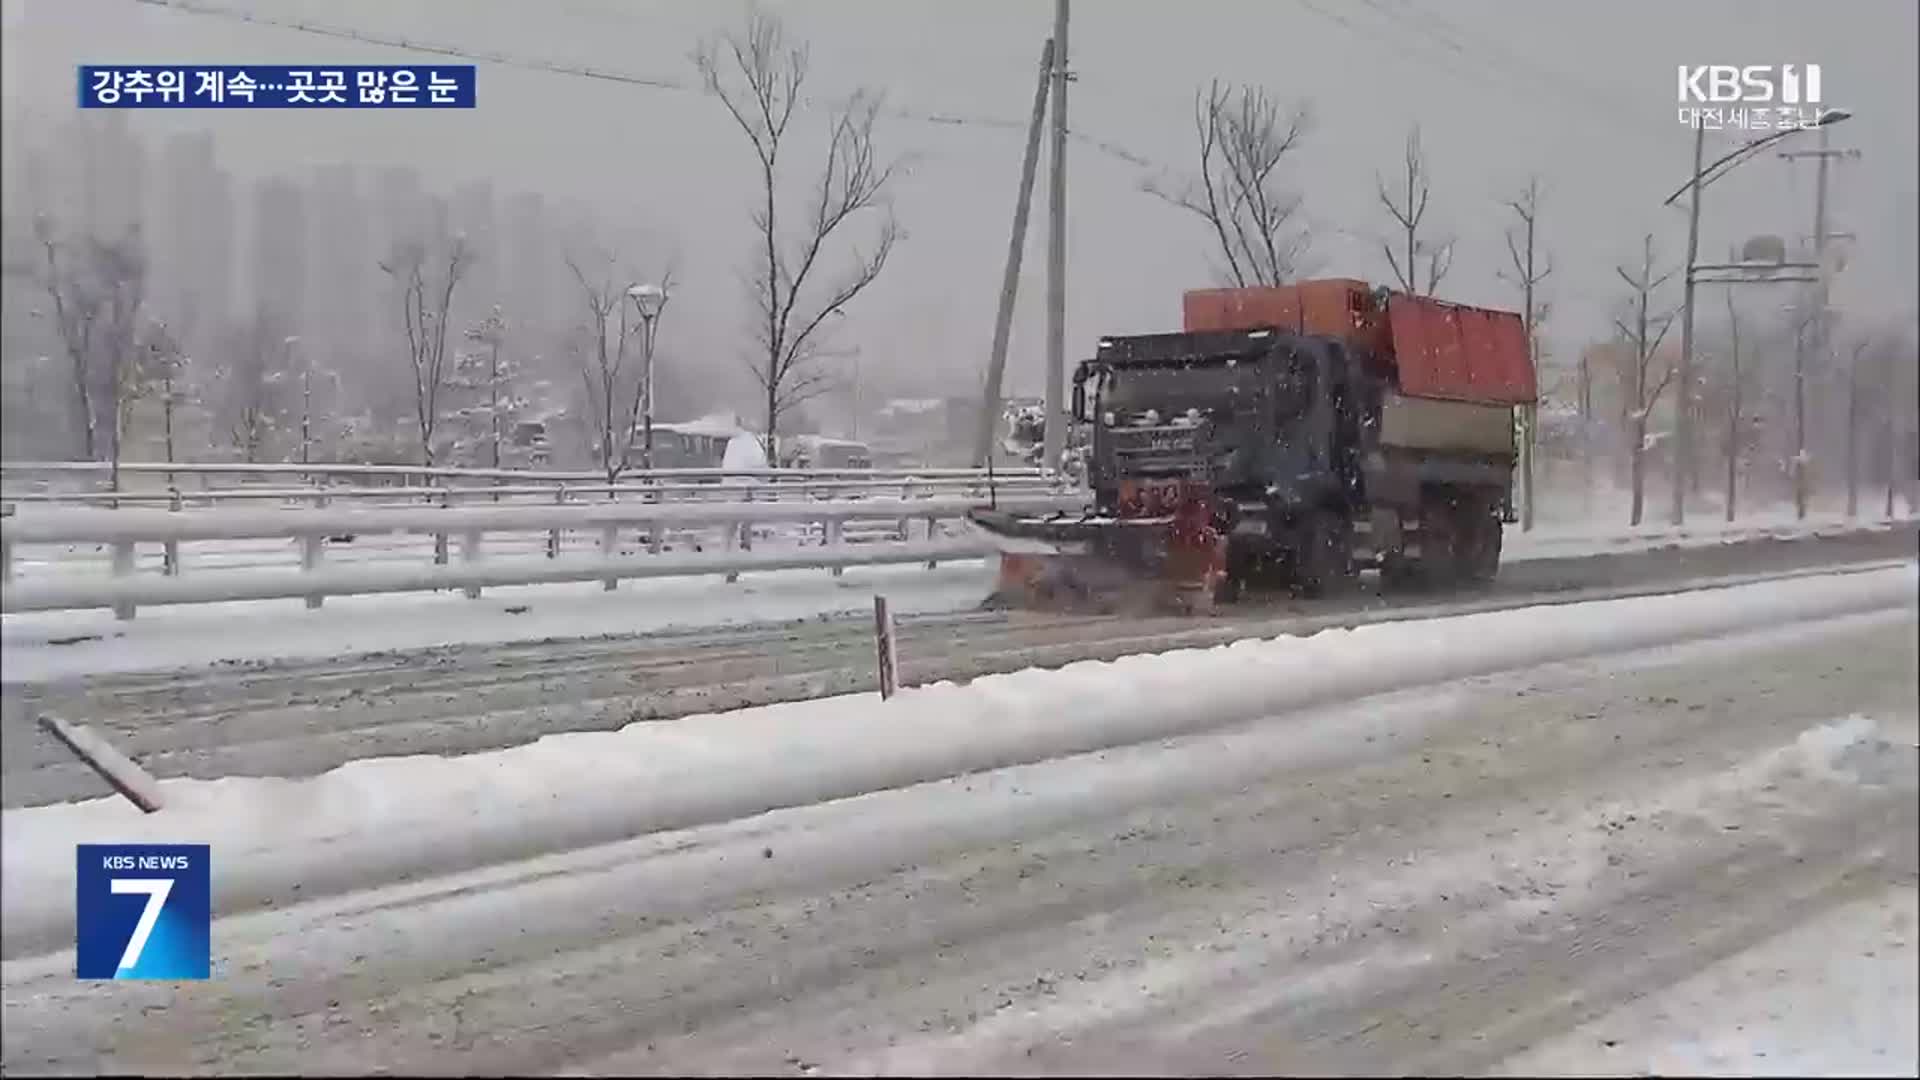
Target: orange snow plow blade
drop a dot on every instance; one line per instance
(1166, 564)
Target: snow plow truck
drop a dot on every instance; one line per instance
(1290, 435)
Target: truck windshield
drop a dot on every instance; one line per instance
(1234, 386)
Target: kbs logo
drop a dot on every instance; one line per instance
(1754, 84)
(143, 911)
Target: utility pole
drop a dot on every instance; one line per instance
(1055, 443)
(1817, 338)
(1683, 397)
(1820, 297)
(1010, 282)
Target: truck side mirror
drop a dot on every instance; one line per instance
(1079, 401)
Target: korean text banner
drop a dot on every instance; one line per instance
(261, 86)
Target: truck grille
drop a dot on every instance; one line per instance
(1159, 449)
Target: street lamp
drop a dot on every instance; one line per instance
(1703, 176)
(649, 300)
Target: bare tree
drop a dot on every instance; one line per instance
(614, 389)
(1408, 207)
(757, 73)
(1897, 375)
(1530, 267)
(1736, 390)
(425, 298)
(254, 405)
(1854, 410)
(1644, 336)
(1737, 377)
(77, 306)
(1902, 411)
(1583, 392)
(1243, 138)
(120, 271)
(161, 369)
(491, 379)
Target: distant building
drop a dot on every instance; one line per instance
(821, 452)
(924, 431)
(277, 276)
(112, 174)
(400, 208)
(471, 217)
(530, 269)
(692, 444)
(343, 292)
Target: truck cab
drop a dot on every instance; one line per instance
(1247, 413)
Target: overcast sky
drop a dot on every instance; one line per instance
(1583, 93)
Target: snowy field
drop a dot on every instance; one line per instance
(1654, 833)
(46, 644)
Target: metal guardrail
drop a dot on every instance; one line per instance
(240, 468)
(123, 529)
(718, 491)
(323, 484)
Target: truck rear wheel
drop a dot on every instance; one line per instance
(1241, 561)
(1323, 562)
(1479, 533)
(1437, 543)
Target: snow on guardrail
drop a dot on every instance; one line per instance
(124, 529)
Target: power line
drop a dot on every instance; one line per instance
(350, 34)
(1484, 65)
(1476, 40)
(1106, 147)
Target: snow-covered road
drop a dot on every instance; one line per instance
(1442, 880)
(296, 717)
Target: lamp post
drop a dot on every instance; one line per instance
(649, 300)
(1702, 176)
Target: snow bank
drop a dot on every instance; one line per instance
(1591, 538)
(395, 819)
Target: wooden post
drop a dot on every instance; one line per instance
(170, 553)
(889, 659)
(609, 547)
(469, 554)
(440, 538)
(553, 535)
(732, 534)
(115, 768)
(123, 568)
(310, 553)
(835, 529)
